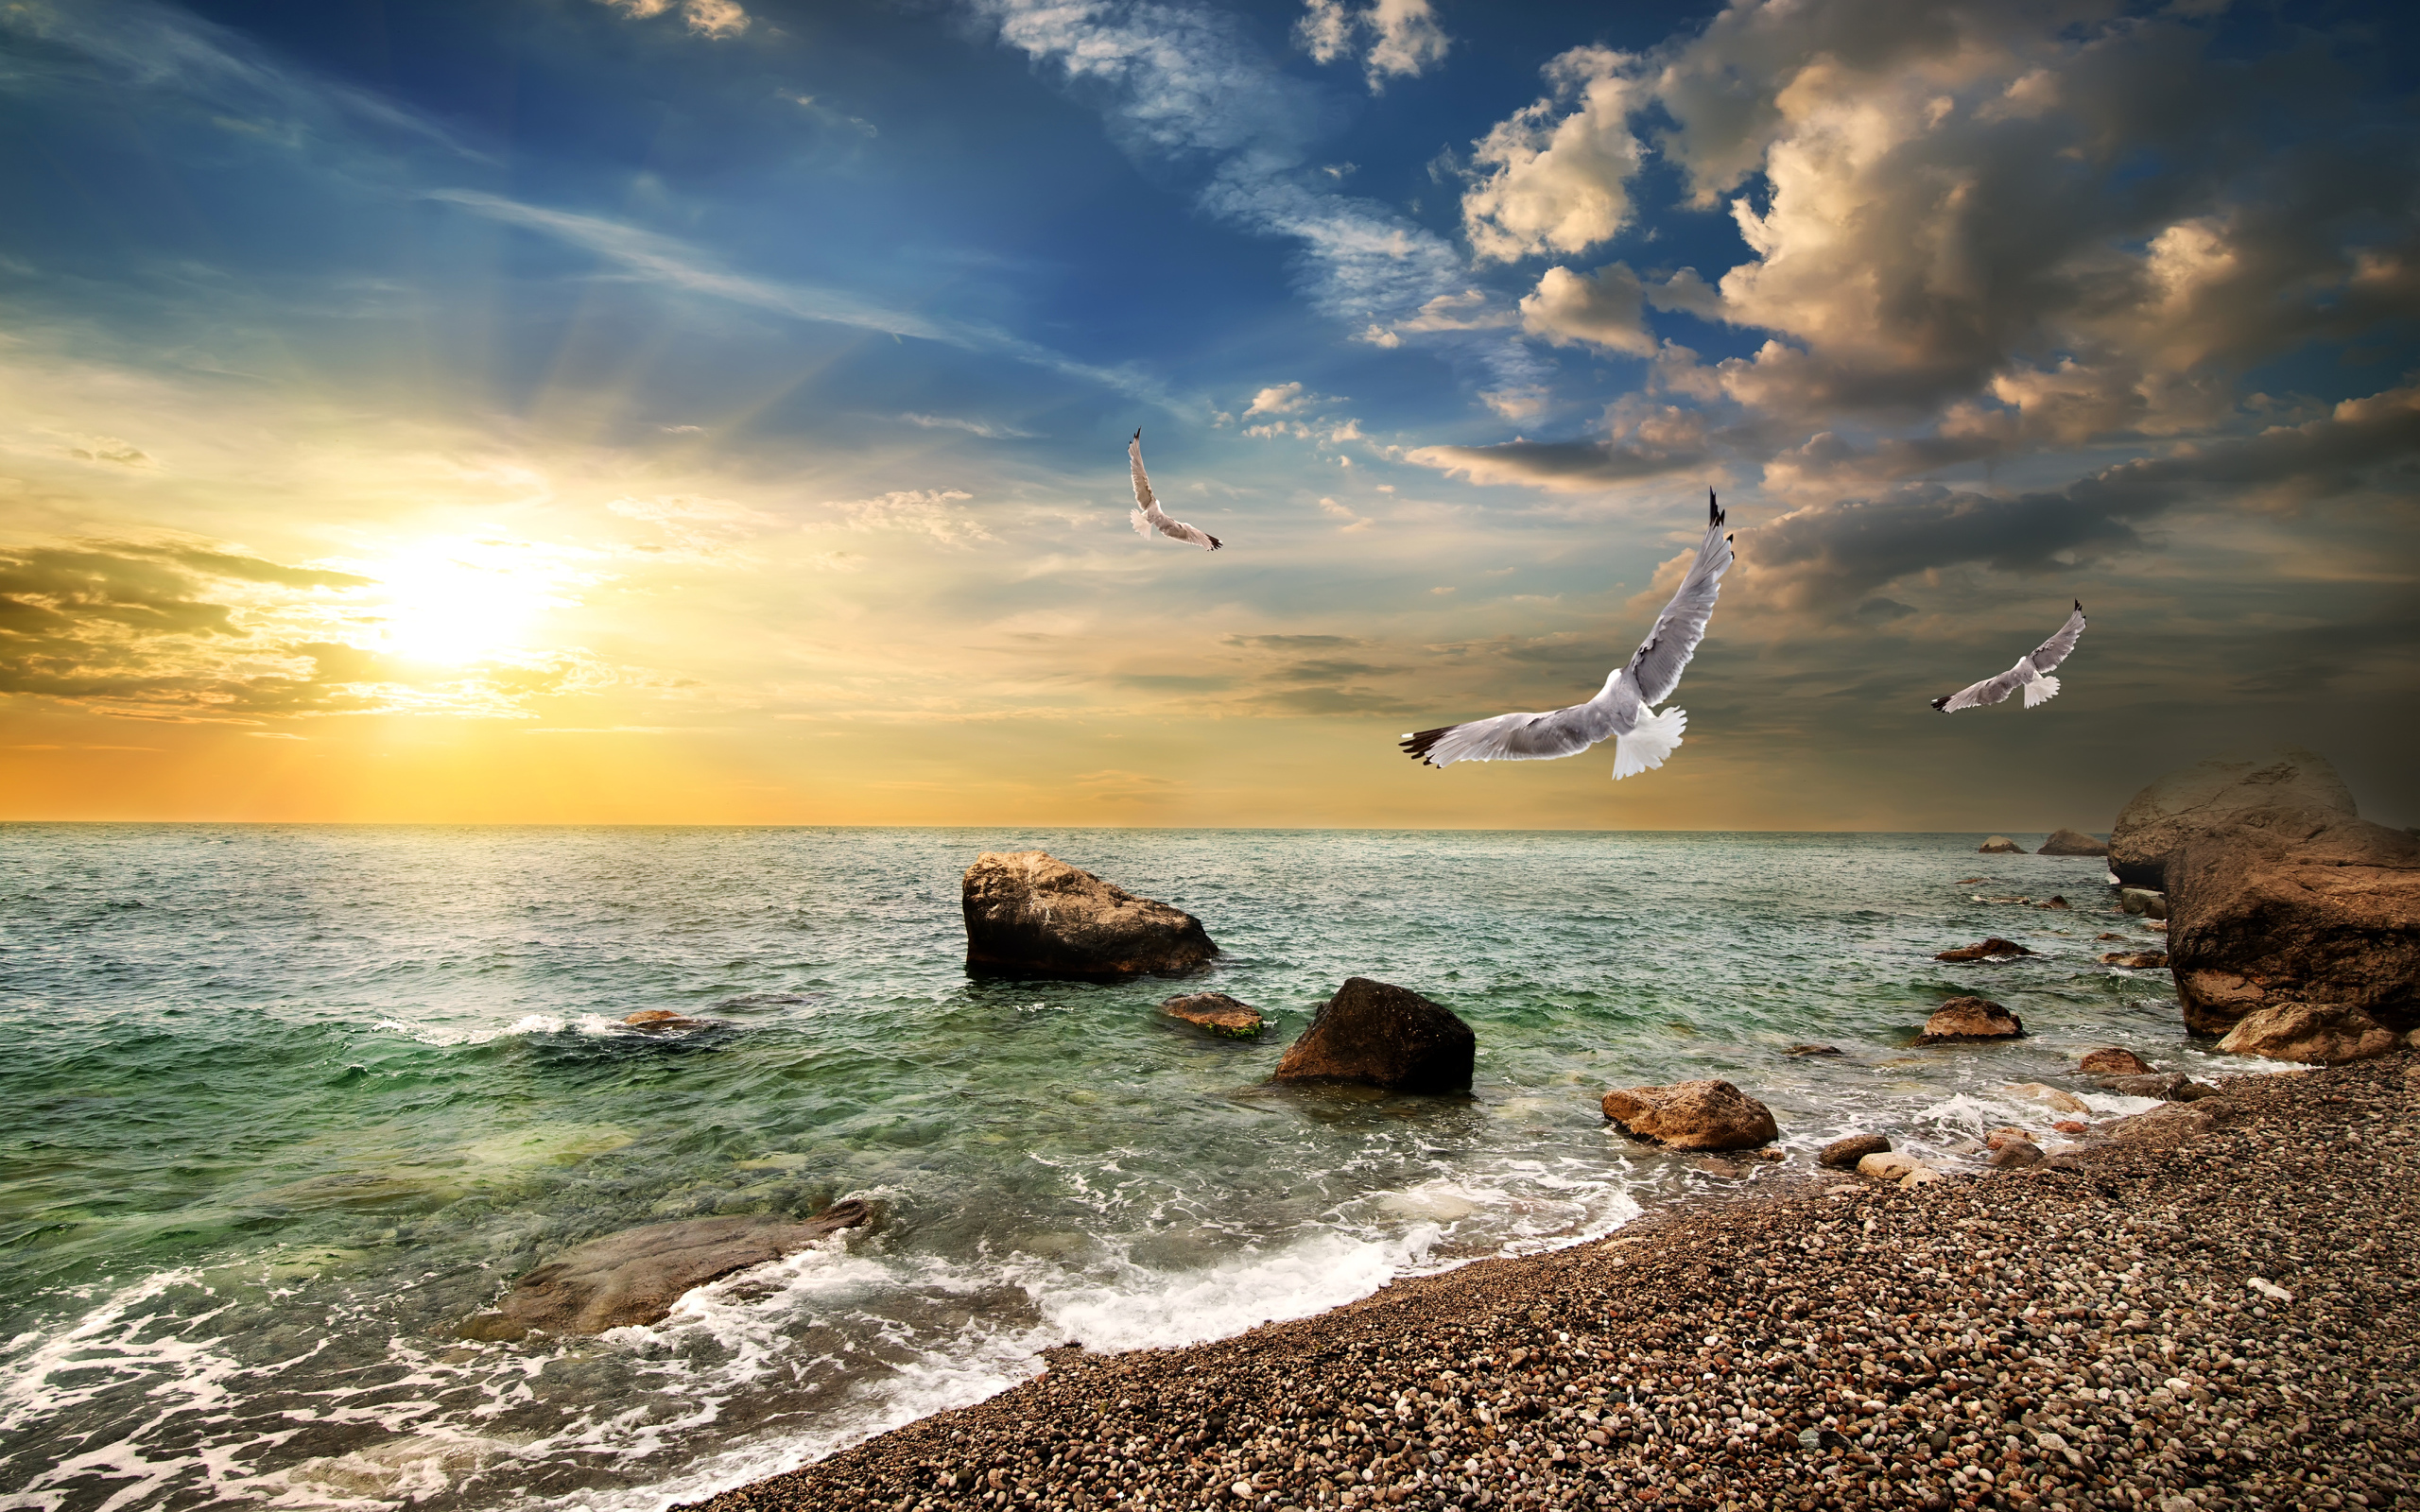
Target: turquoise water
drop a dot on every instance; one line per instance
(284, 1104)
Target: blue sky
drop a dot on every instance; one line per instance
(735, 393)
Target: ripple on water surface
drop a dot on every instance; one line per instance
(286, 1103)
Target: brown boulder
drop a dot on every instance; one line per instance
(2321, 1034)
(2134, 960)
(2014, 1155)
(2072, 843)
(1029, 915)
(2296, 907)
(635, 1276)
(1383, 1036)
(1217, 1012)
(2210, 798)
(1970, 1019)
(664, 1020)
(2168, 1086)
(2000, 845)
(1693, 1115)
(1843, 1155)
(2113, 1061)
(1813, 1050)
(1987, 950)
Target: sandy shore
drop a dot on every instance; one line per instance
(2212, 1305)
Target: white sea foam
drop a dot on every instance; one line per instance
(443, 1035)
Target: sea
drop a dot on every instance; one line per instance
(281, 1106)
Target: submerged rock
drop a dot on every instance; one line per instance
(2000, 845)
(1970, 1019)
(2114, 1061)
(1843, 1154)
(2049, 1096)
(2314, 1033)
(1217, 1012)
(1029, 914)
(2143, 901)
(2292, 907)
(1993, 948)
(635, 1276)
(2136, 961)
(2168, 1086)
(664, 1020)
(1383, 1036)
(1693, 1115)
(2211, 796)
(2072, 843)
(1814, 1050)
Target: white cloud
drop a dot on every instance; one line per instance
(1280, 399)
(697, 524)
(1555, 175)
(707, 18)
(1599, 309)
(1393, 38)
(987, 429)
(916, 511)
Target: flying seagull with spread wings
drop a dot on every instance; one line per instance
(1146, 514)
(1624, 708)
(2031, 673)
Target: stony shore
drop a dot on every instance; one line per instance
(2212, 1305)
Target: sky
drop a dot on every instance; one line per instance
(714, 411)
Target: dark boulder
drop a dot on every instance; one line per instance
(1383, 1036)
(1843, 1154)
(2296, 908)
(664, 1020)
(1992, 949)
(2072, 843)
(635, 1276)
(2000, 845)
(1222, 1015)
(2134, 960)
(1813, 1050)
(1029, 915)
(2114, 1061)
(2168, 1086)
(2210, 798)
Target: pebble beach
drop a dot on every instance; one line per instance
(2208, 1305)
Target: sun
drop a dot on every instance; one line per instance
(456, 603)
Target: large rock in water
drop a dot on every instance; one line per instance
(1384, 1035)
(1031, 915)
(2000, 845)
(635, 1276)
(1969, 1018)
(2211, 796)
(2296, 905)
(1227, 1017)
(2072, 843)
(1693, 1115)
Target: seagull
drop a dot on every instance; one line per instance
(1147, 514)
(2031, 673)
(1624, 707)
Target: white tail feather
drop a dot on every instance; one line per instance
(1644, 748)
(2041, 689)
(1142, 521)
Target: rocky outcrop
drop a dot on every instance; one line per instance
(1967, 1019)
(2072, 843)
(1031, 915)
(2143, 901)
(635, 1276)
(2314, 1034)
(1222, 1015)
(2296, 906)
(1693, 1115)
(2168, 1086)
(2000, 845)
(1383, 1036)
(1993, 949)
(2014, 1155)
(2112, 1061)
(1843, 1155)
(2210, 798)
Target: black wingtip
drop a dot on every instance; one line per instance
(1419, 743)
(2079, 606)
(1138, 433)
(1215, 541)
(1714, 515)
(1939, 706)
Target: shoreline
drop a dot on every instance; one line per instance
(2083, 1333)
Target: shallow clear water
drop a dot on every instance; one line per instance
(285, 1103)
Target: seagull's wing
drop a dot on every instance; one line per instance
(1148, 514)
(2054, 650)
(1515, 737)
(1990, 690)
(1655, 671)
